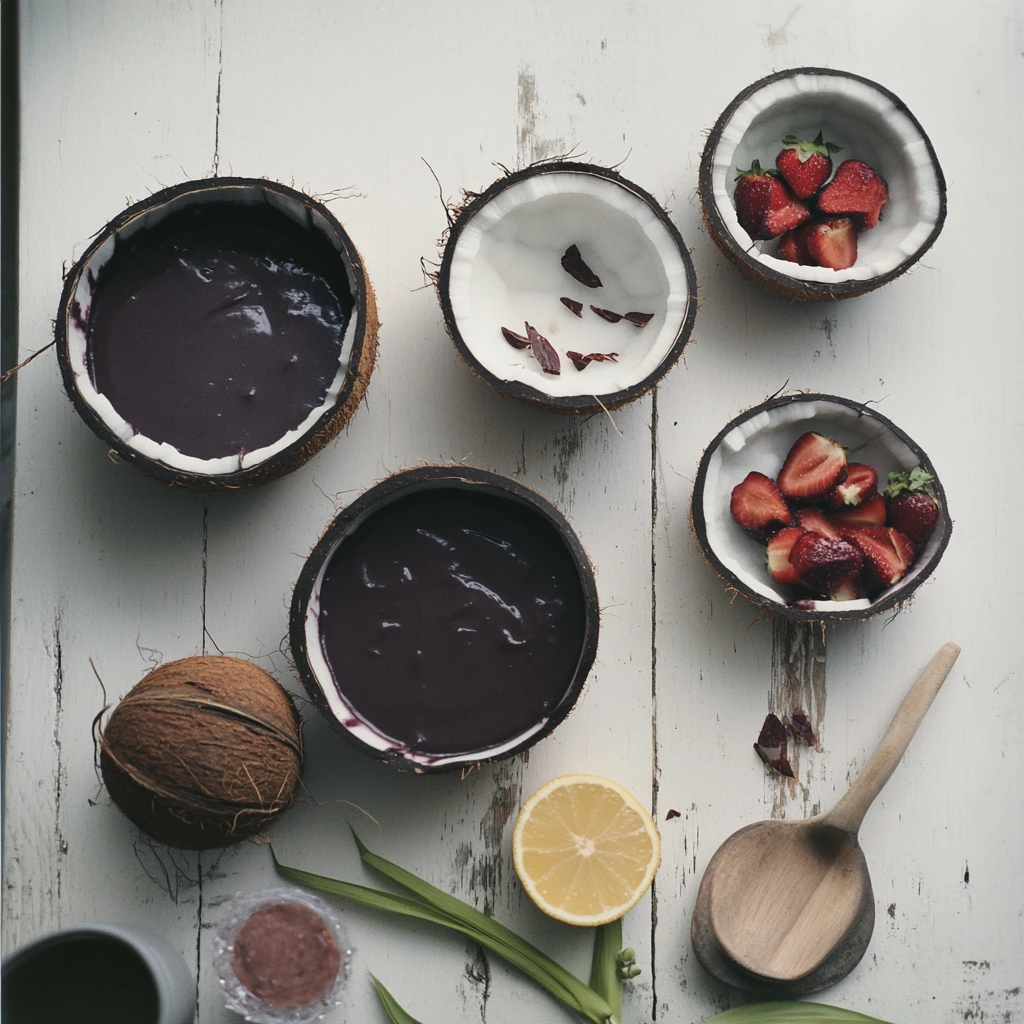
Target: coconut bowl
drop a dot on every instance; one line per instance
(219, 333)
(586, 259)
(758, 440)
(447, 617)
(870, 124)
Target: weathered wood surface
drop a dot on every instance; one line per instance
(109, 568)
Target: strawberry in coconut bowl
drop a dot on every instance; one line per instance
(816, 507)
(819, 184)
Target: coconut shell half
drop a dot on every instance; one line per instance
(586, 259)
(203, 752)
(470, 626)
(254, 371)
(871, 124)
(758, 440)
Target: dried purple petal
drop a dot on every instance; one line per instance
(771, 746)
(573, 306)
(802, 728)
(607, 314)
(544, 351)
(515, 340)
(638, 319)
(572, 263)
(581, 362)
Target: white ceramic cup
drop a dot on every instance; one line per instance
(103, 974)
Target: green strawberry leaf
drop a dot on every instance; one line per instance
(914, 482)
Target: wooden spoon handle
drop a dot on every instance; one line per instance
(849, 812)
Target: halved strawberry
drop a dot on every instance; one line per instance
(911, 509)
(814, 520)
(793, 245)
(765, 207)
(887, 554)
(831, 567)
(861, 482)
(759, 507)
(856, 189)
(871, 512)
(805, 165)
(814, 464)
(833, 243)
(779, 566)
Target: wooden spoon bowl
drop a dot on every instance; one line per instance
(843, 959)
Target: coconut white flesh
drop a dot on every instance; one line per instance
(347, 716)
(868, 127)
(761, 444)
(506, 271)
(161, 451)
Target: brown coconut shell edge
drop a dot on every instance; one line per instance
(900, 595)
(423, 477)
(217, 804)
(361, 360)
(568, 404)
(768, 278)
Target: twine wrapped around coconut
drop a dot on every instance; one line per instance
(203, 752)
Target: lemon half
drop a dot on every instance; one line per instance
(585, 849)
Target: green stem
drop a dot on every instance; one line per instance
(605, 978)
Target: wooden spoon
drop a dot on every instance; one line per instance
(780, 896)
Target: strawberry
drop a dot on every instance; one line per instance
(912, 511)
(779, 566)
(764, 206)
(887, 554)
(831, 567)
(856, 189)
(793, 245)
(814, 464)
(861, 482)
(805, 165)
(816, 521)
(870, 512)
(833, 243)
(759, 507)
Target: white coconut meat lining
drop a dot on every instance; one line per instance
(77, 336)
(868, 126)
(760, 444)
(506, 271)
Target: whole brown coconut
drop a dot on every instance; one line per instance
(203, 752)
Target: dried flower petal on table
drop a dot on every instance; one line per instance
(771, 746)
(801, 726)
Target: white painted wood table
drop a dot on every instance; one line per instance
(121, 97)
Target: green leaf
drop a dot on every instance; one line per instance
(493, 935)
(791, 1013)
(395, 1012)
(452, 913)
